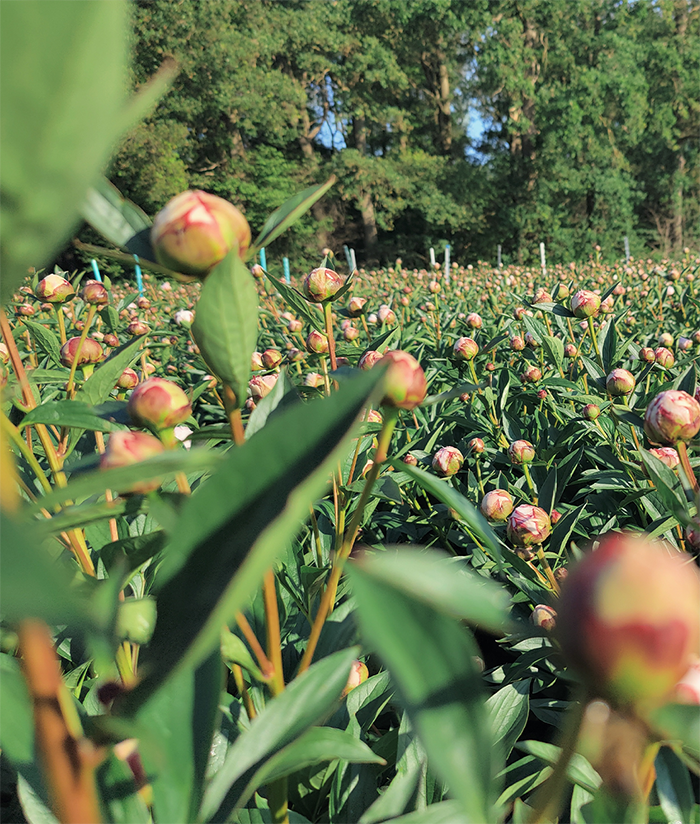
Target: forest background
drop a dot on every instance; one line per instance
(469, 122)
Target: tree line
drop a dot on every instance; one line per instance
(590, 115)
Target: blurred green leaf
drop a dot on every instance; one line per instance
(118, 792)
(578, 771)
(108, 212)
(674, 787)
(431, 658)
(509, 708)
(288, 213)
(70, 414)
(679, 722)
(226, 323)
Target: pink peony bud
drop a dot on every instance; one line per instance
(321, 284)
(474, 320)
(542, 296)
(317, 343)
(692, 532)
(684, 344)
(127, 448)
(585, 304)
(314, 380)
(358, 675)
(687, 690)
(405, 385)
(385, 314)
(647, 355)
(159, 404)
(351, 334)
(465, 349)
(94, 293)
(369, 358)
(628, 619)
(54, 289)
(295, 325)
(196, 230)
(528, 525)
(25, 310)
(434, 287)
(128, 379)
(184, 317)
(256, 363)
(570, 351)
(356, 306)
(517, 344)
(111, 340)
(261, 385)
(671, 417)
(531, 340)
(620, 382)
(521, 452)
(477, 446)
(591, 411)
(410, 459)
(138, 327)
(544, 617)
(665, 339)
(448, 461)
(531, 375)
(90, 352)
(664, 357)
(497, 505)
(271, 358)
(668, 455)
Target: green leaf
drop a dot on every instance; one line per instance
(237, 522)
(431, 659)
(295, 300)
(108, 212)
(306, 701)
(554, 348)
(99, 385)
(226, 323)
(61, 118)
(555, 309)
(45, 339)
(288, 213)
(118, 792)
(579, 770)
(437, 580)
(234, 651)
(71, 414)
(509, 708)
(473, 519)
(283, 393)
(444, 812)
(607, 343)
(674, 787)
(664, 479)
(16, 714)
(679, 722)
(178, 724)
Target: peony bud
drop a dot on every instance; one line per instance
(628, 619)
(474, 320)
(321, 284)
(465, 349)
(128, 379)
(497, 505)
(90, 352)
(317, 343)
(528, 525)
(138, 327)
(671, 417)
(405, 385)
(54, 289)
(385, 314)
(271, 358)
(356, 306)
(647, 355)
(261, 385)
(314, 380)
(668, 455)
(295, 325)
(127, 448)
(410, 459)
(542, 296)
(531, 375)
(664, 357)
(369, 358)
(620, 382)
(94, 293)
(184, 317)
(196, 230)
(570, 351)
(358, 675)
(544, 617)
(448, 461)
(665, 339)
(477, 446)
(25, 310)
(585, 304)
(159, 404)
(517, 344)
(351, 334)
(591, 411)
(521, 452)
(111, 340)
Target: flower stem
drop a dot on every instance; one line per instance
(687, 468)
(594, 338)
(328, 315)
(71, 378)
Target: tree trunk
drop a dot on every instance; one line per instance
(678, 204)
(364, 201)
(319, 209)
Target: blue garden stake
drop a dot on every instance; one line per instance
(263, 259)
(287, 274)
(96, 271)
(139, 279)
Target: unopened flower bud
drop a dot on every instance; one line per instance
(317, 343)
(127, 448)
(385, 314)
(54, 289)
(664, 357)
(517, 344)
(528, 525)
(137, 328)
(591, 411)
(521, 452)
(295, 325)
(261, 385)
(409, 459)
(687, 690)
(668, 455)
(671, 417)
(434, 287)
(159, 404)
(628, 619)
(196, 230)
(25, 310)
(544, 617)
(271, 358)
(665, 339)
(90, 352)
(531, 375)
(94, 293)
(321, 284)
(358, 675)
(356, 306)
(692, 532)
(477, 446)
(369, 358)
(585, 304)
(542, 296)
(314, 380)
(684, 344)
(465, 349)
(184, 317)
(128, 379)
(647, 355)
(497, 505)
(405, 385)
(474, 320)
(570, 351)
(448, 461)
(351, 334)
(620, 382)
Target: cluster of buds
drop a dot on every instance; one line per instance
(196, 230)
